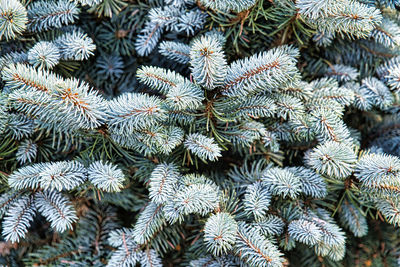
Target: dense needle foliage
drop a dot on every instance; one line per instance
(200, 133)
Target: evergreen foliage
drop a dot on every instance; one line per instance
(44, 15)
(199, 133)
(208, 62)
(13, 19)
(44, 55)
